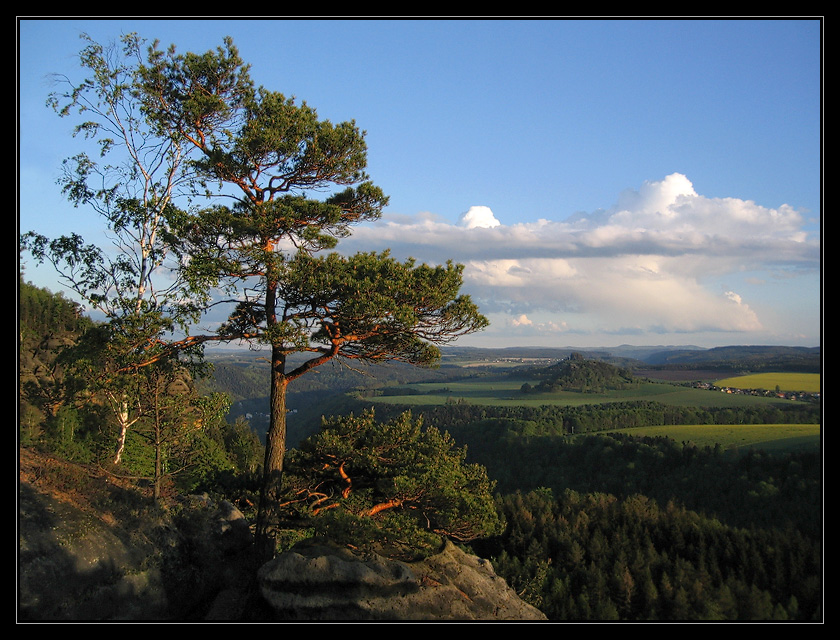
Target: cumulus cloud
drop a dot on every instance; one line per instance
(523, 326)
(655, 261)
(479, 217)
(521, 321)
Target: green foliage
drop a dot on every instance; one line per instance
(131, 182)
(206, 460)
(49, 324)
(393, 485)
(64, 390)
(592, 556)
(66, 435)
(375, 308)
(585, 376)
(123, 362)
(244, 447)
(748, 489)
(43, 314)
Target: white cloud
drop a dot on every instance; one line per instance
(655, 261)
(733, 296)
(479, 217)
(656, 198)
(522, 325)
(521, 321)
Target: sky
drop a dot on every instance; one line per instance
(603, 182)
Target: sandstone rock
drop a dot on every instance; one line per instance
(317, 580)
(74, 563)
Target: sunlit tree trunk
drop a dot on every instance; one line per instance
(275, 451)
(124, 422)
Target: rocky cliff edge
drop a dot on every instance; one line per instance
(90, 549)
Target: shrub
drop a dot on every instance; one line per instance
(395, 487)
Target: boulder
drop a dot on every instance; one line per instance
(318, 580)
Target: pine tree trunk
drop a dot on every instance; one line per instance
(275, 451)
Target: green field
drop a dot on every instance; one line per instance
(808, 382)
(504, 391)
(788, 437)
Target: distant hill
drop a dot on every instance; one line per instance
(623, 355)
(736, 357)
(745, 358)
(576, 373)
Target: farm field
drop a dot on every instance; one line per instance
(809, 382)
(770, 437)
(505, 391)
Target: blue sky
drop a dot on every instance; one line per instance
(627, 181)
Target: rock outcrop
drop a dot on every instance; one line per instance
(90, 550)
(317, 580)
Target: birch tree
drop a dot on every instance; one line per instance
(131, 173)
